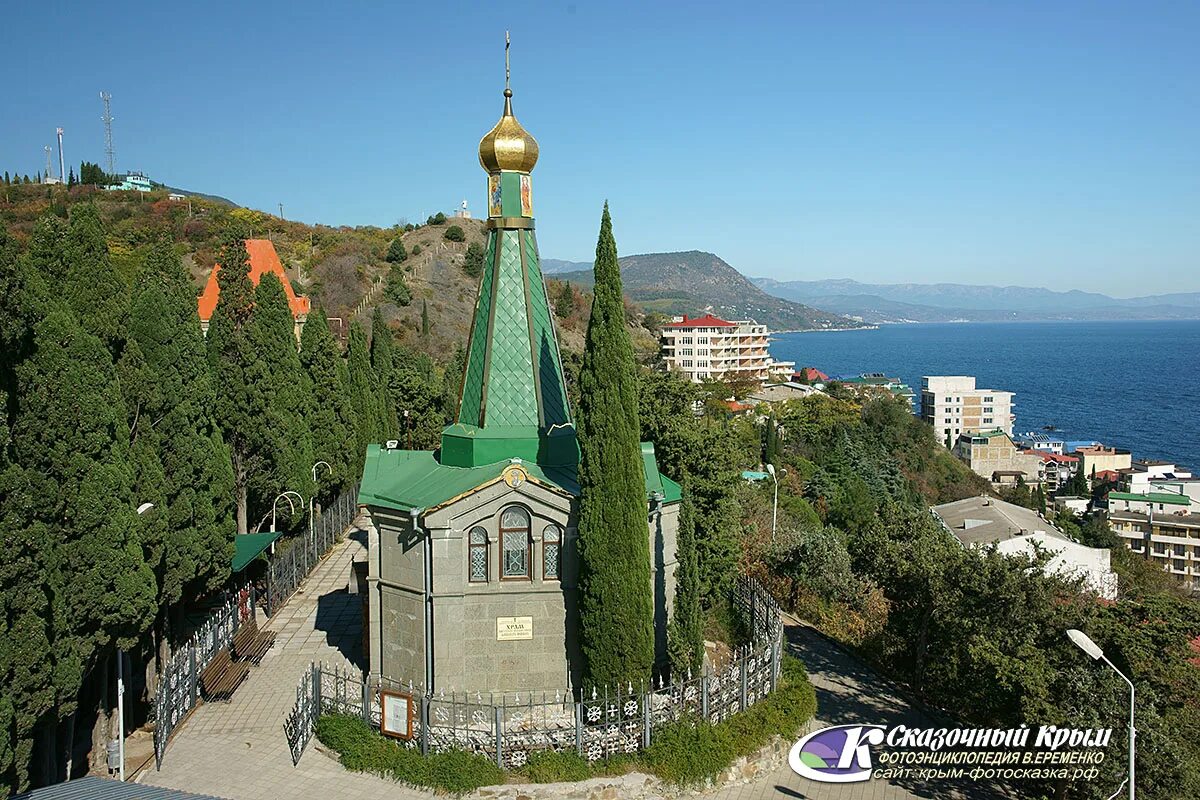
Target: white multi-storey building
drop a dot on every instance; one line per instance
(709, 347)
(953, 406)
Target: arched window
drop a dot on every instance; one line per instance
(551, 553)
(478, 554)
(514, 543)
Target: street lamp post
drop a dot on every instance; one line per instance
(142, 509)
(1084, 643)
(291, 505)
(312, 500)
(775, 503)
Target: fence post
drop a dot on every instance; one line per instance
(499, 736)
(579, 729)
(192, 674)
(366, 701)
(743, 687)
(646, 718)
(704, 696)
(424, 724)
(316, 691)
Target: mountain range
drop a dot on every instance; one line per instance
(878, 303)
(693, 282)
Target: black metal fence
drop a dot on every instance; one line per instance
(288, 569)
(178, 685)
(507, 729)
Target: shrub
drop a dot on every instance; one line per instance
(416, 249)
(551, 766)
(473, 263)
(363, 749)
(689, 752)
(437, 219)
(396, 288)
(454, 234)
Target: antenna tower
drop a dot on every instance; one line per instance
(108, 144)
(62, 167)
(49, 165)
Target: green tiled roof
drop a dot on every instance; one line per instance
(513, 388)
(1154, 497)
(407, 479)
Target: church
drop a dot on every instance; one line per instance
(473, 565)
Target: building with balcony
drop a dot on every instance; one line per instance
(953, 406)
(711, 348)
(1170, 541)
(1041, 442)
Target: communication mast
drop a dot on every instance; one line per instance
(49, 176)
(62, 170)
(108, 143)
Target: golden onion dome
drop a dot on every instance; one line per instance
(508, 146)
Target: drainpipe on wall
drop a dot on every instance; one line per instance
(427, 546)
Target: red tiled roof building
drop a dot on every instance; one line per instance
(263, 259)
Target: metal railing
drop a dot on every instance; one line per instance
(509, 728)
(288, 568)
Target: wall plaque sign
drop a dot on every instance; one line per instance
(396, 719)
(513, 629)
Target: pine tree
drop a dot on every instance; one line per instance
(239, 415)
(382, 364)
(280, 386)
(452, 378)
(363, 399)
(473, 261)
(564, 304)
(331, 415)
(179, 426)
(685, 634)
(615, 594)
(396, 252)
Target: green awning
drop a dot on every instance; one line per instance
(247, 546)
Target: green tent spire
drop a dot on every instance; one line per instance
(514, 398)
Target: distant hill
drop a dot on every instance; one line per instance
(553, 266)
(953, 302)
(212, 198)
(690, 282)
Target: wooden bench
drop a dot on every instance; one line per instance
(251, 644)
(222, 676)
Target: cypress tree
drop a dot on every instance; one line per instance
(387, 419)
(279, 385)
(685, 634)
(615, 593)
(331, 415)
(71, 441)
(197, 478)
(424, 319)
(363, 400)
(238, 414)
(92, 287)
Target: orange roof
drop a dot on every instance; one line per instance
(263, 258)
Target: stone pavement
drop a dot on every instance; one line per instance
(849, 692)
(237, 750)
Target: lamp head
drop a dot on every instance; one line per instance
(1084, 643)
(144, 507)
(771, 470)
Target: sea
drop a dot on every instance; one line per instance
(1130, 384)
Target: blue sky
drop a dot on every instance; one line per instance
(1046, 144)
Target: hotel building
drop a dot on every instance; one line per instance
(709, 347)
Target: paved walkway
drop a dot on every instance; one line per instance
(849, 692)
(237, 750)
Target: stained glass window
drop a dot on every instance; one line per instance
(551, 553)
(478, 554)
(514, 543)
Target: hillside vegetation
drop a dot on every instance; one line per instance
(690, 282)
